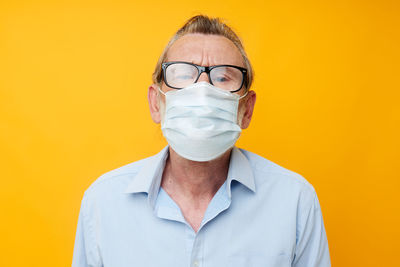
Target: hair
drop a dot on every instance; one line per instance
(205, 25)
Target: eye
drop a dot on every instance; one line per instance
(183, 76)
(221, 78)
(225, 74)
(181, 72)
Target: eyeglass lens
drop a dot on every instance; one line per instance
(180, 75)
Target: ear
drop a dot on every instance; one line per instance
(249, 102)
(154, 103)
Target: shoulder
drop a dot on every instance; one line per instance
(115, 181)
(268, 175)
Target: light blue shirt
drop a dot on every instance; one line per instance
(263, 215)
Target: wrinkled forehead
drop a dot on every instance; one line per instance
(205, 50)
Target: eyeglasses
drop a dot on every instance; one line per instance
(179, 74)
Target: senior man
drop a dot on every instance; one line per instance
(201, 201)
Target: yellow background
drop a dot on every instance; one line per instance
(73, 84)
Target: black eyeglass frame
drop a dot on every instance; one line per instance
(202, 69)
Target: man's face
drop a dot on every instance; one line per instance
(204, 50)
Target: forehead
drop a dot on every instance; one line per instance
(205, 50)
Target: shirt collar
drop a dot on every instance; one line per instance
(240, 170)
(148, 179)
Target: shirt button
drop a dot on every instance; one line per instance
(196, 264)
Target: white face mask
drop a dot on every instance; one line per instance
(200, 121)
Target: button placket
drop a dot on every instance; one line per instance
(197, 251)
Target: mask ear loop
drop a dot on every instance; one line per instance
(159, 89)
(247, 91)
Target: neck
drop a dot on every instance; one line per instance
(194, 180)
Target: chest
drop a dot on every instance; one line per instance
(231, 234)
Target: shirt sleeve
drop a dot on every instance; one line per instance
(86, 253)
(312, 244)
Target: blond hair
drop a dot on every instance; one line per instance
(205, 25)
